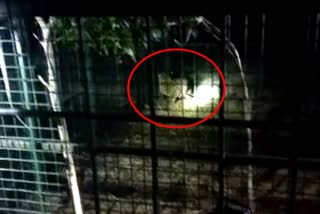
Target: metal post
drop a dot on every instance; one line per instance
(91, 145)
(221, 129)
(154, 157)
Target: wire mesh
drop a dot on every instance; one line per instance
(32, 169)
(131, 166)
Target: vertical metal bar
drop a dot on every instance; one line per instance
(308, 32)
(91, 86)
(181, 67)
(292, 172)
(92, 146)
(247, 115)
(293, 185)
(3, 135)
(316, 39)
(183, 81)
(164, 35)
(30, 67)
(154, 157)
(245, 42)
(262, 47)
(294, 22)
(164, 30)
(221, 130)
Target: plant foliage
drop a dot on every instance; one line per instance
(123, 36)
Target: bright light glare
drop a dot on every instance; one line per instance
(204, 95)
(8, 111)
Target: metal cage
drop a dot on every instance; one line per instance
(71, 142)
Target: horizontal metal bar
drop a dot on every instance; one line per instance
(2, 209)
(13, 54)
(33, 192)
(21, 79)
(42, 128)
(19, 67)
(30, 202)
(52, 184)
(25, 171)
(7, 140)
(54, 146)
(51, 8)
(23, 161)
(23, 104)
(21, 91)
(229, 159)
(130, 117)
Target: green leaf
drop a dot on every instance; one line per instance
(114, 26)
(156, 34)
(130, 52)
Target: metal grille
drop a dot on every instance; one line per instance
(246, 156)
(32, 169)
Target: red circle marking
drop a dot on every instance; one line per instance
(173, 126)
